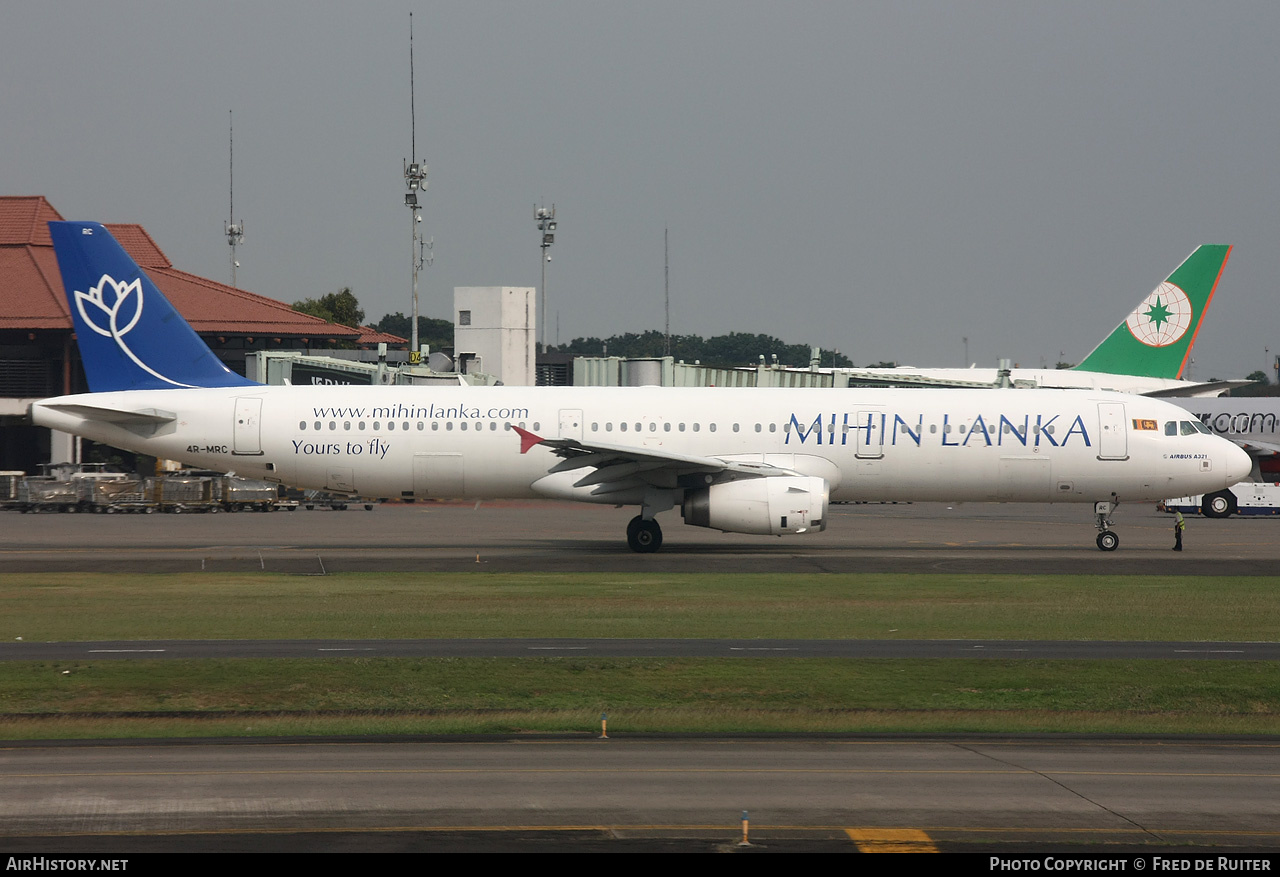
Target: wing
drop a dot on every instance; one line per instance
(1257, 448)
(614, 468)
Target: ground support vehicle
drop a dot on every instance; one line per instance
(115, 496)
(178, 494)
(10, 485)
(245, 494)
(41, 494)
(1245, 498)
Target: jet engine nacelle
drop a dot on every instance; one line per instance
(760, 506)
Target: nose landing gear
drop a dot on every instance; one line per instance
(1107, 538)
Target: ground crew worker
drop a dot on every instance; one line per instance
(1178, 526)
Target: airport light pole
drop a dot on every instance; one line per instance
(232, 229)
(546, 220)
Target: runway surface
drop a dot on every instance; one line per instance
(551, 537)
(829, 794)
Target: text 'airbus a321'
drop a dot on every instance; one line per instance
(759, 461)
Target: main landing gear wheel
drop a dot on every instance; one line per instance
(644, 537)
(1108, 540)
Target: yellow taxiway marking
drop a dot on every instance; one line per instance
(891, 840)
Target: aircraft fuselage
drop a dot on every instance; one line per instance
(868, 444)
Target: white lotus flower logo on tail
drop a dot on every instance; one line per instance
(109, 299)
(113, 309)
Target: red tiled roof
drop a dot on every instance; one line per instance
(373, 337)
(31, 294)
(24, 219)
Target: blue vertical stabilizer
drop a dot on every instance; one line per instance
(130, 337)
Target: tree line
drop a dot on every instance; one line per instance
(725, 351)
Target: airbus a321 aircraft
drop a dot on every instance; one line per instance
(760, 461)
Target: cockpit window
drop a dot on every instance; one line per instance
(1171, 427)
(1201, 427)
(1187, 428)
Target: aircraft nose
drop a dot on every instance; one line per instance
(1238, 464)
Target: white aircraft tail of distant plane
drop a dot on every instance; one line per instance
(759, 461)
(1146, 354)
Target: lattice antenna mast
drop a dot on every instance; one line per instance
(233, 230)
(415, 177)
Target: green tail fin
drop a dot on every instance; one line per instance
(1155, 340)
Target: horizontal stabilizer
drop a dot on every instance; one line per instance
(121, 416)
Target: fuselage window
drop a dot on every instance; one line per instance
(317, 424)
(421, 426)
(773, 427)
(666, 427)
(391, 424)
(682, 427)
(696, 427)
(623, 426)
(493, 426)
(637, 427)
(302, 424)
(377, 425)
(536, 426)
(346, 424)
(1049, 429)
(962, 429)
(757, 427)
(448, 426)
(463, 426)
(653, 427)
(595, 427)
(712, 427)
(435, 426)
(333, 424)
(507, 426)
(933, 429)
(786, 427)
(735, 427)
(405, 426)
(608, 427)
(360, 424)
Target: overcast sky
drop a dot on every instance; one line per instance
(881, 178)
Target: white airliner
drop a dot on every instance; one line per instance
(1147, 353)
(760, 461)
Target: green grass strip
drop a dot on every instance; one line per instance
(714, 695)
(84, 606)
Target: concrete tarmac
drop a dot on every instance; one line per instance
(929, 794)
(551, 537)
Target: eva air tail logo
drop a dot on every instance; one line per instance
(112, 309)
(1162, 318)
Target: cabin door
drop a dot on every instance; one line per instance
(247, 429)
(1113, 438)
